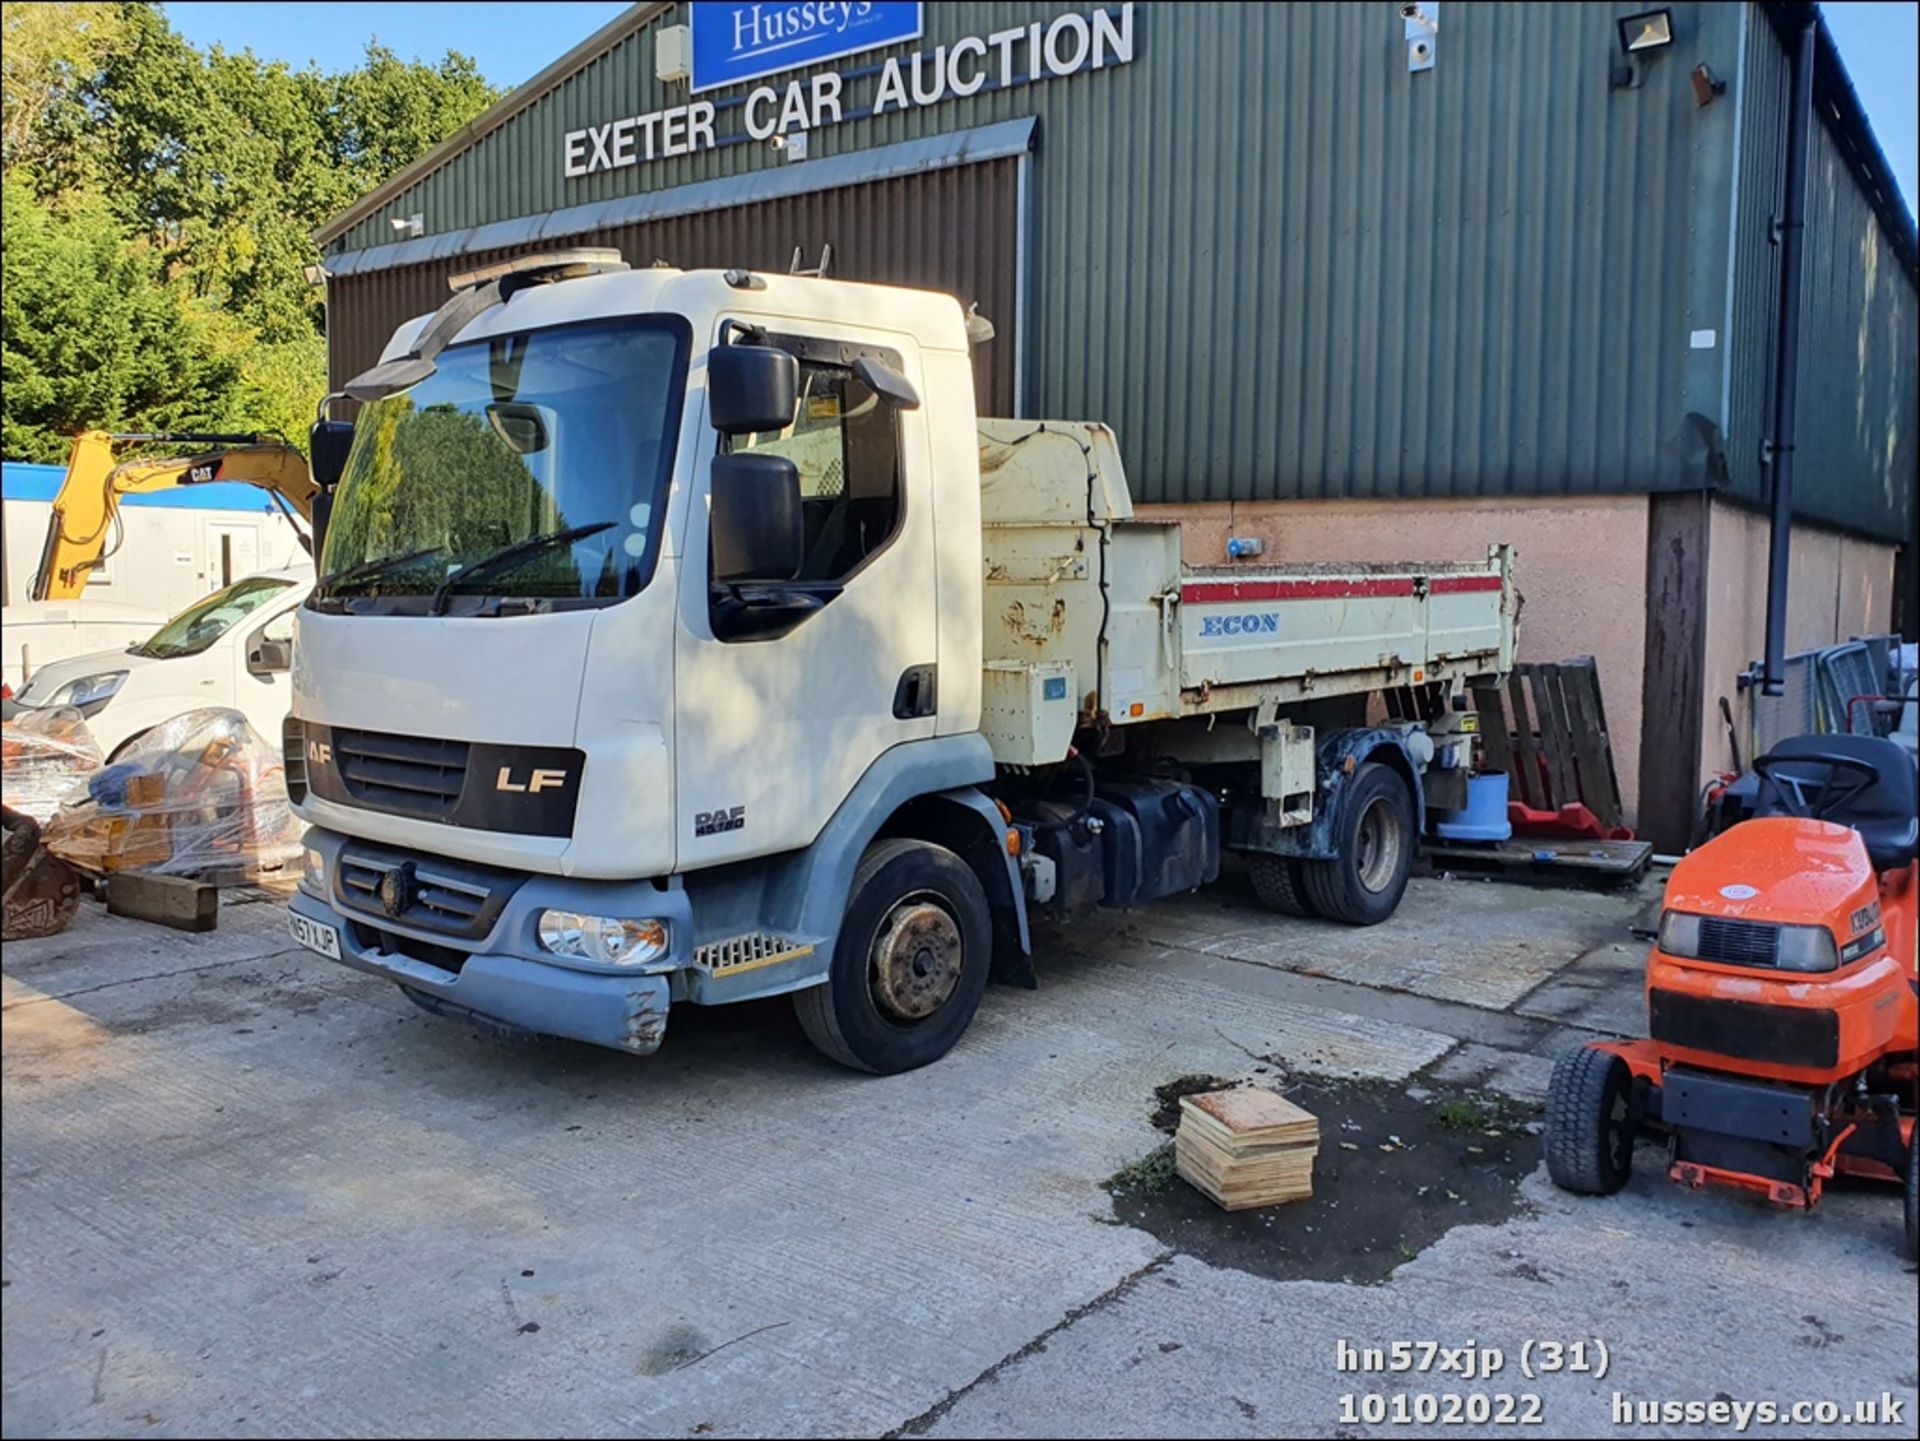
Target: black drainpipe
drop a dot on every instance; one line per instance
(1786, 356)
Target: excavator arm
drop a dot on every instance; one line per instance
(89, 496)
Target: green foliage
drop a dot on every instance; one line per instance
(166, 199)
(93, 336)
(1153, 1172)
(1461, 1116)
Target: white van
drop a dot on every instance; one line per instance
(233, 649)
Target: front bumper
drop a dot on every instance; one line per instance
(501, 979)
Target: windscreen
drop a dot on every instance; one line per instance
(528, 467)
(205, 621)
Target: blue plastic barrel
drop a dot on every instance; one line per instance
(1484, 818)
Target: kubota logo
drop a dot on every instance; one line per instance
(539, 780)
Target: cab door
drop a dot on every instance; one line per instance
(776, 723)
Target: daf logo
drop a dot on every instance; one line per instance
(396, 890)
(319, 753)
(536, 781)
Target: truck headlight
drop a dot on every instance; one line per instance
(89, 690)
(610, 940)
(313, 872)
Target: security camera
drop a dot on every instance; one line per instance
(778, 142)
(1411, 12)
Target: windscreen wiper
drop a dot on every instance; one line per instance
(520, 549)
(368, 569)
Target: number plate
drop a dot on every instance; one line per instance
(314, 935)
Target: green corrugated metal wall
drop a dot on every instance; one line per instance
(1859, 371)
(1282, 266)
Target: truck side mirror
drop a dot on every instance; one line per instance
(751, 388)
(269, 657)
(327, 446)
(756, 526)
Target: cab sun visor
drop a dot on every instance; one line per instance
(475, 293)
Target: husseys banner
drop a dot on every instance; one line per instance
(1039, 50)
(735, 40)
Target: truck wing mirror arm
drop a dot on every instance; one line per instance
(887, 383)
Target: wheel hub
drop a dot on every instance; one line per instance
(1377, 854)
(916, 960)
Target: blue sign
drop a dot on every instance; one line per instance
(738, 40)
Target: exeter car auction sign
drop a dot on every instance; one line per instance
(736, 43)
(733, 42)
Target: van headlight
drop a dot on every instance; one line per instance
(610, 940)
(89, 690)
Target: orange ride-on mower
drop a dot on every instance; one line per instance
(1782, 997)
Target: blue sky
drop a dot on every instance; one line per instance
(513, 41)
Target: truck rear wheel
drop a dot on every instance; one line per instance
(1363, 882)
(1590, 1123)
(1278, 885)
(910, 965)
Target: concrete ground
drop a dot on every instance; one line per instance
(248, 1192)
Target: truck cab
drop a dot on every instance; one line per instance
(647, 662)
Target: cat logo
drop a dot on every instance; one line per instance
(712, 823)
(202, 473)
(537, 781)
(319, 753)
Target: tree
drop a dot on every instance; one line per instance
(92, 336)
(197, 178)
(48, 54)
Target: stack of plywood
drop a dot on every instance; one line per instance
(1246, 1147)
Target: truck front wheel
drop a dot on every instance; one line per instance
(910, 965)
(1375, 838)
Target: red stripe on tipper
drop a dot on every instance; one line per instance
(1228, 591)
(1450, 584)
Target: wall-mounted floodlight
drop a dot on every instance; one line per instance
(1649, 30)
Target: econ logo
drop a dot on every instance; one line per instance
(739, 40)
(1252, 623)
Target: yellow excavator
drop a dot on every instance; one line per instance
(88, 503)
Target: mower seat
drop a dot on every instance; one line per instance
(1885, 812)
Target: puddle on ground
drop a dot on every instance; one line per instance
(1396, 1171)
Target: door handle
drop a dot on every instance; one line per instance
(915, 696)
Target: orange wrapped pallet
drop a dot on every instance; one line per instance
(201, 795)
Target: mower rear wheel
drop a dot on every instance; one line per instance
(1590, 1123)
(1913, 1194)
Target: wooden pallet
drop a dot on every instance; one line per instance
(1545, 858)
(1558, 752)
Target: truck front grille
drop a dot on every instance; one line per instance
(1739, 943)
(746, 953)
(450, 898)
(410, 775)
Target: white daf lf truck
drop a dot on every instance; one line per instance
(686, 637)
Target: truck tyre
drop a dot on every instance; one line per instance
(1374, 842)
(1589, 1123)
(1278, 885)
(910, 965)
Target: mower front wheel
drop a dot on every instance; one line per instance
(1590, 1123)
